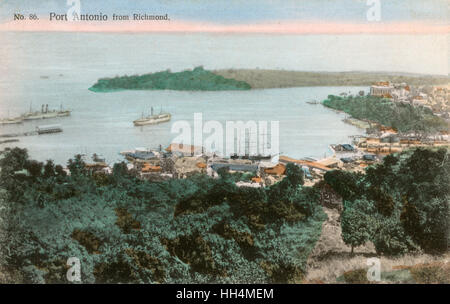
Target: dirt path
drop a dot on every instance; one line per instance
(331, 257)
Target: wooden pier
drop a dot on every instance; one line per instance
(39, 131)
(30, 133)
(315, 165)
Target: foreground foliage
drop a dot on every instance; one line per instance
(401, 205)
(125, 230)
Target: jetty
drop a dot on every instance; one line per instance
(311, 164)
(9, 135)
(7, 141)
(39, 131)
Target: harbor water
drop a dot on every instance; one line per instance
(58, 68)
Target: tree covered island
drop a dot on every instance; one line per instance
(197, 79)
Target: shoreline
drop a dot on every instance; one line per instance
(361, 124)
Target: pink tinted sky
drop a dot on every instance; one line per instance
(288, 27)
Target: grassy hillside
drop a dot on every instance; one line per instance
(198, 79)
(264, 79)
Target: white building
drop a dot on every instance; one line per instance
(381, 89)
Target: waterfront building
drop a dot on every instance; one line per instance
(381, 89)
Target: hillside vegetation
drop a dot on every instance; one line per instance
(204, 230)
(401, 205)
(403, 117)
(125, 230)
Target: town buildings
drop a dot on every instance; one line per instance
(435, 98)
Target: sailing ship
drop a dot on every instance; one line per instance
(152, 119)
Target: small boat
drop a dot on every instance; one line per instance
(313, 102)
(63, 113)
(152, 119)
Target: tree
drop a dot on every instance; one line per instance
(49, 169)
(427, 222)
(294, 175)
(14, 160)
(356, 224)
(383, 200)
(34, 168)
(390, 238)
(285, 190)
(120, 170)
(59, 170)
(76, 165)
(346, 184)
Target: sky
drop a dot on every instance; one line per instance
(277, 16)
